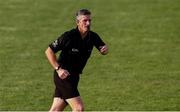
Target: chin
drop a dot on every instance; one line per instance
(86, 30)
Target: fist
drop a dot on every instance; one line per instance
(62, 73)
(103, 49)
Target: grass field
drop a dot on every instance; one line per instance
(141, 71)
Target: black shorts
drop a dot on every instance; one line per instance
(66, 88)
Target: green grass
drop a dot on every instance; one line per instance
(141, 71)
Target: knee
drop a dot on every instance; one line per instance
(78, 108)
(54, 109)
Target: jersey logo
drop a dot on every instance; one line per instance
(55, 43)
(75, 50)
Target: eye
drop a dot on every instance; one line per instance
(87, 20)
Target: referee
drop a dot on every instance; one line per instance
(76, 46)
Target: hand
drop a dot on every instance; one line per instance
(103, 50)
(62, 73)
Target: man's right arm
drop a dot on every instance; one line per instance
(51, 57)
(53, 61)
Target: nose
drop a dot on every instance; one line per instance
(88, 23)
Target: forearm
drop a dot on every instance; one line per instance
(51, 57)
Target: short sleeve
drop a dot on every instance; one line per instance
(98, 41)
(59, 43)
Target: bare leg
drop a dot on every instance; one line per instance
(76, 104)
(58, 104)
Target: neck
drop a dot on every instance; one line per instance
(83, 34)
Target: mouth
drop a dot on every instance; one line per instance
(88, 27)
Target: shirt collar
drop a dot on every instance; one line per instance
(77, 30)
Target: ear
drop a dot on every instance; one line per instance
(77, 21)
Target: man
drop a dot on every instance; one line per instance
(75, 46)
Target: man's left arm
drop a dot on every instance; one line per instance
(100, 45)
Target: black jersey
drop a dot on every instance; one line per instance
(75, 51)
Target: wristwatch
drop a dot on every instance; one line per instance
(57, 68)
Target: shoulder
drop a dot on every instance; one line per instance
(68, 34)
(94, 34)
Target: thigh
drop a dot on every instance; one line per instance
(58, 104)
(75, 103)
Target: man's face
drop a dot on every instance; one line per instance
(83, 23)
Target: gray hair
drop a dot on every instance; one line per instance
(82, 12)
